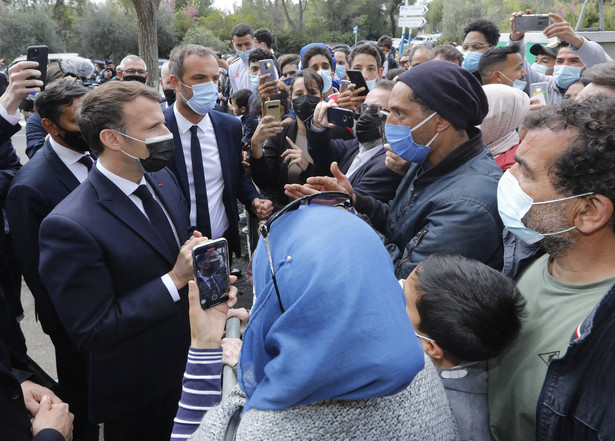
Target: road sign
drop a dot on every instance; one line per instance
(412, 11)
(355, 30)
(411, 22)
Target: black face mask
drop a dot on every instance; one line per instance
(138, 78)
(74, 140)
(368, 127)
(304, 106)
(160, 150)
(169, 95)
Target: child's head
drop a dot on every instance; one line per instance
(461, 309)
(240, 102)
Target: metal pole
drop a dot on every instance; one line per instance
(581, 15)
(229, 379)
(403, 36)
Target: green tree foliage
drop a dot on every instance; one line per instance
(168, 31)
(201, 35)
(21, 28)
(107, 31)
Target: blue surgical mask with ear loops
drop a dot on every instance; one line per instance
(340, 71)
(204, 97)
(540, 68)
(471, 60)
(401, 141)
(326, 78)
(566, 75)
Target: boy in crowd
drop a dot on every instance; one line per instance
(240, 105)
(464, 313)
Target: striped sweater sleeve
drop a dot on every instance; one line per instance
(201, 390)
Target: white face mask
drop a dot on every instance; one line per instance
(513, 205)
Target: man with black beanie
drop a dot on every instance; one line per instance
(446, 202)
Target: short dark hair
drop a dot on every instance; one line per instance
(179, 54)
(485, 27)
(587, 162)
(50, 102)
(343, 49)
(287, 59)
(316, 50)
(241, 98)
(493, 59)
(311, 79)
(392, 73)
(258, 55)
(471, 310)
(447, 52)
(263, 35)
(103, 108)
(385, 41)
(368, 49)
(241, 30)
(602, 74)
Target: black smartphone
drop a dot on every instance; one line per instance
(356, 78)
(533, 22)
(39, 54)
(267, 67)
(210, 262)
(340, 117)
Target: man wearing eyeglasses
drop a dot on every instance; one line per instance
(133, 68)
(479, 36)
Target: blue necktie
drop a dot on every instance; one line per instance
(158, 219)
(200, 189)
(87, 161)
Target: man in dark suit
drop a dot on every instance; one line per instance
(361, 159)
(207, 158)
(63, 163)
(116, 258)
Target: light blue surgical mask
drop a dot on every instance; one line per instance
(204, 97)
(513, 205)
(340, 71)
(540, 68)
(401, 141)
(244, 55)
(471, 60)
(326, 78)
(254, 79)
(566, 75)
(370, 84)
(517, 84)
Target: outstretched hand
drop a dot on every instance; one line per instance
(316, 184)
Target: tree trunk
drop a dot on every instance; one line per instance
(275, 25)
(301, 9)
(290, 20)
(147, 11)
(58, 19)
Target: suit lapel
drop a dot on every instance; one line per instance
(179, 163)
(223, 140)
(120, 205)
(64, 175)
(171, 203)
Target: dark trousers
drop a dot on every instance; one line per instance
(72, 368)
(153, 422)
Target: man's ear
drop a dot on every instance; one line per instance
(432, 349)
(380, 72)
(175, 82)
(50, 127)
(592, 213)
(442, 124)
(111, 139)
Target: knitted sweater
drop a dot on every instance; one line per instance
(420, 412)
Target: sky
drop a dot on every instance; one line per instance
(224, 4)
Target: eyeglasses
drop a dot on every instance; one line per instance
(328, 198)
(134, 71)
(376, 109)
(474, 47)
(422, 337)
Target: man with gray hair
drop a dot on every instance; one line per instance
(207, 160)
(132, 68)
(602, 80)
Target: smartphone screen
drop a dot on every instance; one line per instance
(40, 55)
(211, 272)
(356, 78)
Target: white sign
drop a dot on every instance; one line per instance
(412, 11)
(411, 22)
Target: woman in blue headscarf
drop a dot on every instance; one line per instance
(332, 353)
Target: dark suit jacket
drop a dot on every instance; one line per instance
(35, 134)
(101, 261)
(237, 184)
(372, 178)
(9, 161)
(38, 187)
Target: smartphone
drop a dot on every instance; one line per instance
(539, 90)
(345, 84)
(40, 55)
(356, 78)
(273, 108)
(533, 22)
(210, 262)
(340, 117)
(267, 67)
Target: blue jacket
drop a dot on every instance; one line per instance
(449, 208)
(576, 402)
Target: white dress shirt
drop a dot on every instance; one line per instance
(71, 158)
(11, 119)
(362, 157)
(128, 188)
(214, 181)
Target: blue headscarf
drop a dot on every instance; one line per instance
(345, 334)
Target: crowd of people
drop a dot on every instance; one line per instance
(435, 234)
